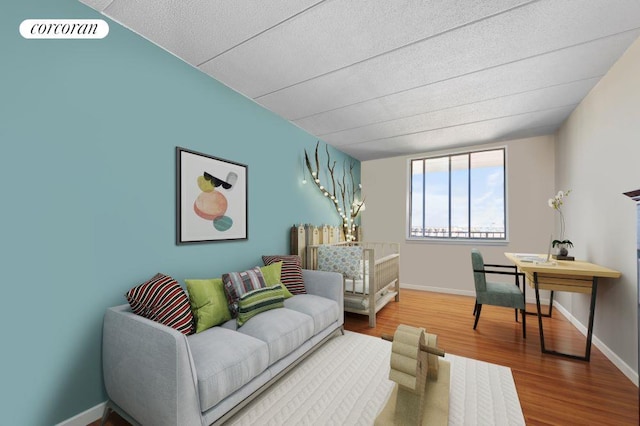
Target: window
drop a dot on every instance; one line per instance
(458, 196)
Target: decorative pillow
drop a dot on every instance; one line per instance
(161, 299)
(254, 302)
(291, 275)
(346, 260)
(271, 276)
(208, 303)
(238, 283)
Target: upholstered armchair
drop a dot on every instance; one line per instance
(496, 293)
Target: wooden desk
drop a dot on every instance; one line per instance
(573, 276)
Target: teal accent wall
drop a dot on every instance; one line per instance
(88, 131)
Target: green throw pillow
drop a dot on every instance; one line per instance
(271, 274)
(208, 302)
(256, 301)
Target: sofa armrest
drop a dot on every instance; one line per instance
(148, 370)
(325, 284)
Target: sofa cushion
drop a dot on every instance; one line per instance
(323, 311)
(238, 283)
(283, 330)
(161, 299)
(225, 361)
(291, 275)
(232, 324)
(257, 301)
(208, 302)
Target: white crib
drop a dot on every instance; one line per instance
(366, 289)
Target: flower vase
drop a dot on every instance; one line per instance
(563, 250)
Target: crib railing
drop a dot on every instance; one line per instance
(380, 250)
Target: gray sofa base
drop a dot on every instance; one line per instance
(276, 377)
(318, 342)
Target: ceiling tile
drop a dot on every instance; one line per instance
(382, 78)
(559, 67)
(464, 135)
(525, 32)
(196, 31)
(531, 101)
(338, 34)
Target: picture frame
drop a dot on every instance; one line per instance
(211, 198)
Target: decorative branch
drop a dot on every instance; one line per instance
(344, 197)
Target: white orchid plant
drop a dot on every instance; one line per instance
(556, 203)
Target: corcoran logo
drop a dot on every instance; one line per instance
(64, 28)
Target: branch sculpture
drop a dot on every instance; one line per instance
(343, 193)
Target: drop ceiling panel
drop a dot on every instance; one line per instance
(393, 78)
(524, 125)
(196, 31)
(559, 67)
(537, 100)
(522, 33)
(338, 34)
(365, 152)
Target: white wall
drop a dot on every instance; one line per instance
(597, 156)
(447, 266)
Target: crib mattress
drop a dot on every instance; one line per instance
(356, 295)
(360, 287)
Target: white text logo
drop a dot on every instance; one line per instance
(64, 28)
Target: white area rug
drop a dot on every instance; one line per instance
(345, 383)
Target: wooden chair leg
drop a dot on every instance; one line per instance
(475, 308)
(478, 310)
(524, 325)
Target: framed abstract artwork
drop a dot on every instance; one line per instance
(211, 198)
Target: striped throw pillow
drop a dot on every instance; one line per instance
(291, 274)
(238, 283)
(256, 301)
(161, 299)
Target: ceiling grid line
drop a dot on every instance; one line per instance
(466, 123)
(460, 105)
(383, 79)
(260, 33)
(425, 39)
(466, 74)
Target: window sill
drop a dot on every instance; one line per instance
(457, 241)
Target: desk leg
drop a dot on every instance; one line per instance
(592, 310)
(535, 286)
(587, 352)
(547, 315)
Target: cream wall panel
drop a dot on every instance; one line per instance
(597, 156)
(447, 266)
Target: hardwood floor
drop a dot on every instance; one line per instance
(552, 390)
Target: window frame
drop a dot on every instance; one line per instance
(457, 240)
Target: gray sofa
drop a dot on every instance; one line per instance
(155, 375)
